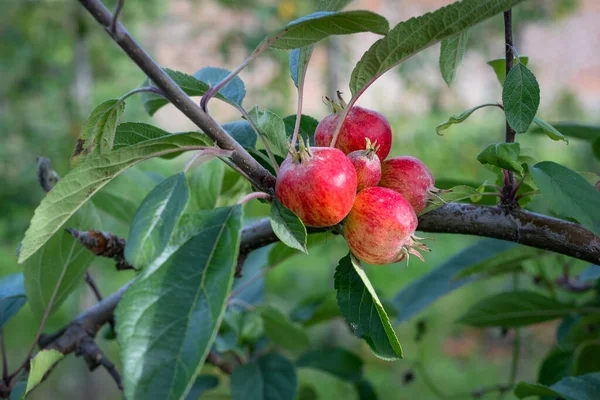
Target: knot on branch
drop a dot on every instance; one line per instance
(103, 244)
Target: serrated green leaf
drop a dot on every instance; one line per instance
(299, 59)
(314, 309)
(363, 311)
(555, 366)
(75, 188)
(549, 130)
(503, 155)
(568, 193)
(132, 133)
(242, 132)
(586, 358)
(499, 66)
(335, 361)
(282, 331)
(270, 377)
(410, 37)
(232, 93)
(518, 308)
(574, 130)
(183, 299)
(98, 133)
(584, 387)
(156, 219)
(419, 294)
(457, 193)
(288, 227)
(591, 273)
(271, 125)
(578, 331)
(452, 51)
(321, 24)
(18, 391)
(502, 263)
(61, 262)
(332, 5)
(457, 119)
(12, 296)
(202, 384)
(206, 184)
(40, 364)
(520, 97)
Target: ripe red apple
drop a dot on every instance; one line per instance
(367, 165)
(318, 184)
(410, 177)
(380, 227)
(360, 123)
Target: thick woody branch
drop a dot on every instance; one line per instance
(240, 157)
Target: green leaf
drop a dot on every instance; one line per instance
(457, 119)
(132, 133)
(502, 263)
(319, 25)
(503, 155)
(452, 52)
(574, 130)
(315, 309)
(410, 37)
(98, 133)
(555, 366)
(61, 262)
(568, 193)
(549, 130)
(299, 59)
(40, 364)
(232, 93)
(335, 361)
(75, 188)
(363, 311)
(499, 66)
(365, 390)
(591, 273)
(242, 132)
(12, 296)
(308, 125)
(156, 219)
(586, 358)
(18, 391)
(271, 377)
(206, 184)
(202, 384)
(578, 331)
(440, 281)
(518, 308)
(584, 387)
(282, 331)
(288, 227)
(332, 5)
(520, 97)
(168, 319)
(271, 125)
(457, 193)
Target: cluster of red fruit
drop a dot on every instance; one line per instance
(320, 185)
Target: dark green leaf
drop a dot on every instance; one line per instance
(452, 52)
(299, 59)
(252, 292)
(242, 132)
(596, 148)
(40, 364)
(410, 37)
(193, 86)
(363, 311)
(520, 97)
(555, 366)
(234, 91)
(168, 319)
(549, 130)
(591, 273)
(206, 183)
(282, 331)
(584, 387)
(336, 361)
(581, 329)
(98, 133)
(61, 262)
(499, 66)
(518, 308)
(503, 155)
(568, 193)
(315, 309)
(132, 133)
(271, 377)
(156, 219)
(272, 127)
(502, 263)
(440, 281)
(332, 5)
(456, 193)
(365, 390)
(288, 227)
(457, 119)
(574, 130)
(83, 181)
(12, 296)
(586, 358)
(202, 384)
(18, 391)
(317, 26)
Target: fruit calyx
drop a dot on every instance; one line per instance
(412, 246)
(371, 148)
(303, 153)
(336, 107)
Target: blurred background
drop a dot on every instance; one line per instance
(57, 65)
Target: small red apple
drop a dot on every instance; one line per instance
(360, 123)
(367, 165)
(410, 177)
(318, 184)
(380, 227)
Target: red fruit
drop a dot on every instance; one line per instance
(380, 227)
(318, 184)
(410, 177)
(360, 123)
(367, 165)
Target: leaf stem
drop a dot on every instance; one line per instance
(508, 197)
(252, 196)
(113, 24)
(301, 79)
(208, 153)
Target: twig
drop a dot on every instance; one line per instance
(103, 244)
(151, 89)
(113, 23)
(92, 284)
(94, 357)
(508, 198)
(219, 362)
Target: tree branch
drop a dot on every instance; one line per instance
(179, 98)
(508, 195)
